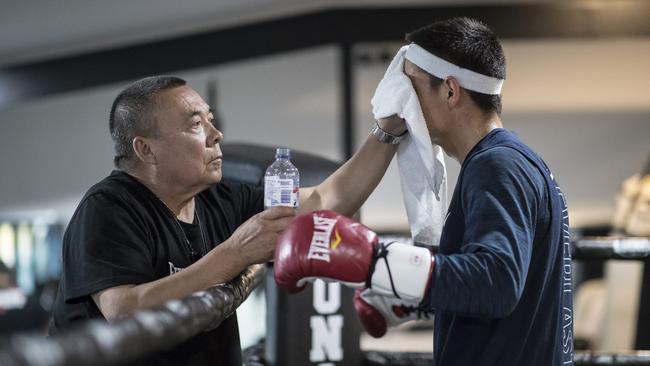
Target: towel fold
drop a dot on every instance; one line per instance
(423, 175)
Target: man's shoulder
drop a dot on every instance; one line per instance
(118, 186)
(499, 157)
(504, 165)
(503, 148)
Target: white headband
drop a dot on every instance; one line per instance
(442, 69)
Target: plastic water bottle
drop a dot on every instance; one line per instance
(281, 181)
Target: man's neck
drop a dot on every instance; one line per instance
(472, 129)
(179, 202)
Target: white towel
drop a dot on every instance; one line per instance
(425, 195)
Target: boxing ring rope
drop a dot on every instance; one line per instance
(613, 247)
(639, 358)
(254, 357)
(101, 343)
(597, 247)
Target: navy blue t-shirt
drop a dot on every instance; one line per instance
(502, 282)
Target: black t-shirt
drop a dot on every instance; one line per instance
(121, 233)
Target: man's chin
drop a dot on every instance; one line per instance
(215, 177)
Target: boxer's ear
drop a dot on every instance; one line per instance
(451, 88)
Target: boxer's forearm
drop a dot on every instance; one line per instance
(349, 186)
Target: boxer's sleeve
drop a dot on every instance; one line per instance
(500, 197)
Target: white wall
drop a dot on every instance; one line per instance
(53, 149)
(287, 100)
(581, 104)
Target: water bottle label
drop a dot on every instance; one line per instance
(280, 192)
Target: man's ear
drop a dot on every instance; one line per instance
(143, 150)
(452, 89)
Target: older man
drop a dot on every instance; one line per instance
(162, 226)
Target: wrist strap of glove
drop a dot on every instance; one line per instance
(400, 270)
(380, 252)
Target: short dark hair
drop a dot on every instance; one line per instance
(469, 44)
(132, 114)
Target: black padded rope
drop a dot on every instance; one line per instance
(254, 356)
(611, 247)
(638, 358)
(147, 331)
(592, 248)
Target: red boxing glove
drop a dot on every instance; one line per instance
(326, 245)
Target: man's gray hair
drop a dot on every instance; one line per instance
(132, 114)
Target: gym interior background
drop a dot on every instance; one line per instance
(301, 74)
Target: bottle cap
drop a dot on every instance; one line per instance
(282, 152)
